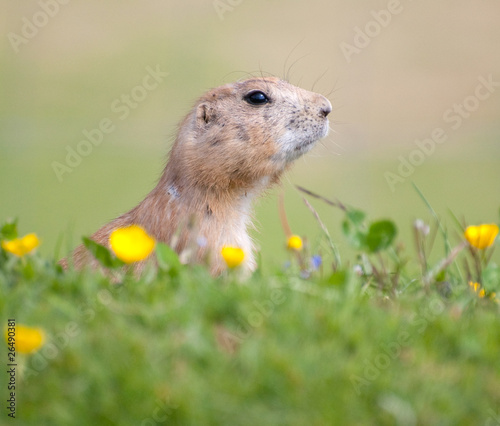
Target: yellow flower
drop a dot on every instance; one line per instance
(21, 246)
(26, 339)
(294, 243)
(474, 286)
(131, 243)
(233, 256)
(481, 292)
(481, 236)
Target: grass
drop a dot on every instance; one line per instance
(393, 344)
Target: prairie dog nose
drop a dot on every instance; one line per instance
(326, 107)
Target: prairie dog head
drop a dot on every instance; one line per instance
(239, 133)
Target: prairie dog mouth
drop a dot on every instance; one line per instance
(309, 142)
(305, 144)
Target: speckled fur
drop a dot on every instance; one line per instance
(227, 151)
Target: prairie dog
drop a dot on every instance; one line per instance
(236, 141)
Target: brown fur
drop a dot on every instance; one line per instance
(226, 152)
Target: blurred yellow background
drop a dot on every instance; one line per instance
(395, 71)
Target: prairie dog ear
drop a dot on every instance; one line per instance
(205, 114)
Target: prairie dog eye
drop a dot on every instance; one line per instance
(256, 97)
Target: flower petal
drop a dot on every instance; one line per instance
(294, 243)
(131, 243)
(233, 256)
(27, 339)
(21, 246)
(481, 236)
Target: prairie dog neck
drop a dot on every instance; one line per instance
(236, 141)
(215, 218)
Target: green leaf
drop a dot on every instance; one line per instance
(441, 277)
(338, 278)
(354, 235)
(491, 277)
(28, 271)
(102, 254)
(168, 259)
(380, 235)
(9, 230)
(355, 216)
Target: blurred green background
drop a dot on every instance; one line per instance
(396, 89)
